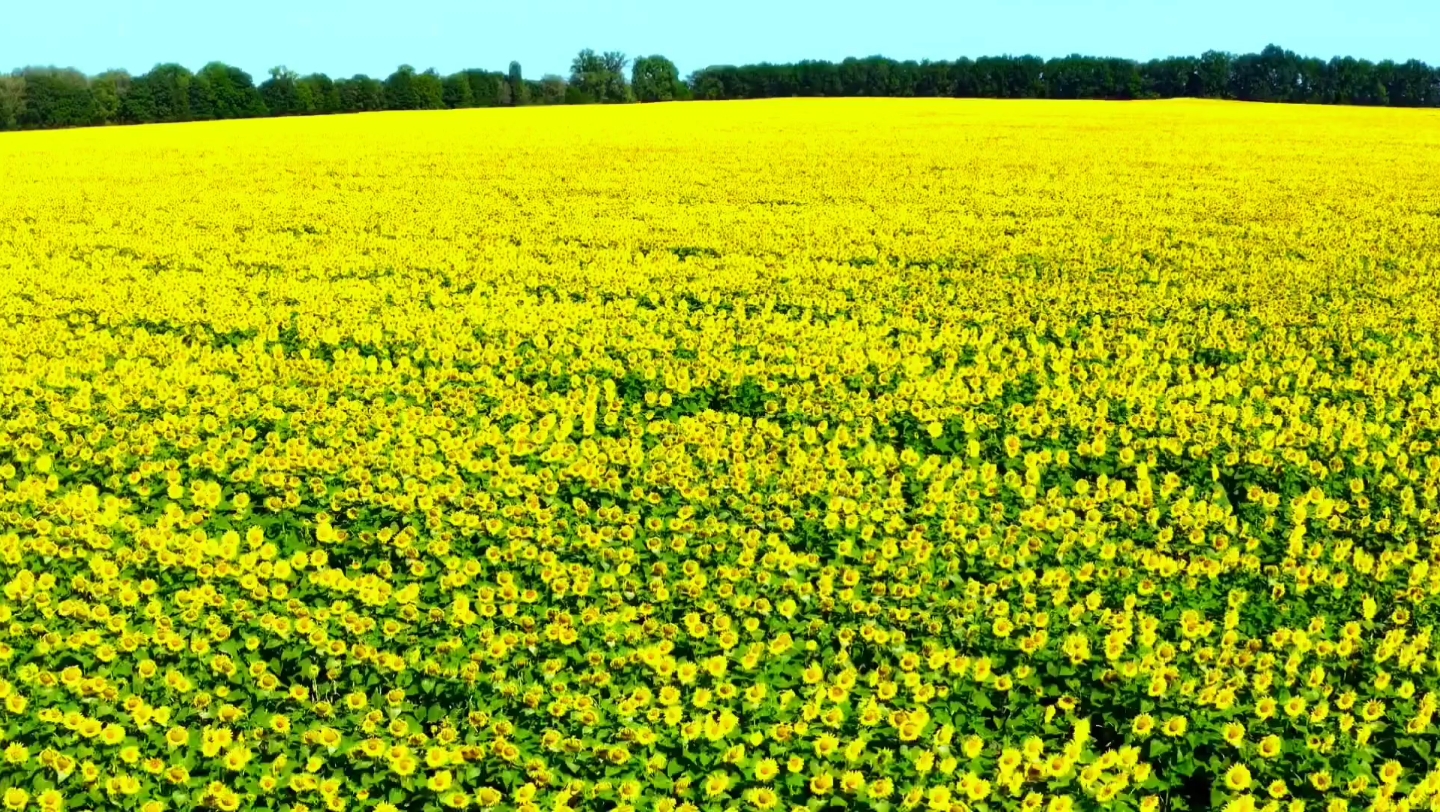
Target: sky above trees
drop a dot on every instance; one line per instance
(343, 37)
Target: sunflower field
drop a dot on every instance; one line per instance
(794, 455)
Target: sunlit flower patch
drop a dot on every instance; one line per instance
(919, 455)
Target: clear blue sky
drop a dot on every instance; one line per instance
(343, 37)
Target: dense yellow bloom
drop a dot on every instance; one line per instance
(440, 781)
(1012, 453)
(716, 784)
(1234, 733)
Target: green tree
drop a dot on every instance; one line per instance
(360, 94)
(400, 90)
(457, 92)
(235, 94)
(138, 105)
(169, 87)
(552, 89)
(1213, 72)
(515, 80)
(708, 84)
(56, 97)
(202, 98)
(283, 93)
(429, 91)
(12, 101)
(109, 90)
(654, 79)
(487, 88)
(1413, 84)
(324, 97)
(600, 77)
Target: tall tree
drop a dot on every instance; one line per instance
(56, 97)
(600, 77)
(1353, 81)
(234, 91)
(709, 84)
(138, 105)
(1273, 75)
(400, 89)
(12, 101)
(933, 79)
(487, 88)
(201, 98)
(284, 95)
(457, 92)
(360, 94)
(519, 93)
(109, 90)
(654, 79)
(324, 97)
(429, 91)
(1413, 84)
(1213, 72)
(552, 89)
(169, 86)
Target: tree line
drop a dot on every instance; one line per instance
(48, 97)
(1273, 75)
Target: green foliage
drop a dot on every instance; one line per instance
(400, 90)
(1274, 74)
(457, 92)
(654, 78)
(108, 91)
(407, 90)
(487, 88)
(202, 99)
(235, 94)
(169, 86)
(360, 94)
(285, 95)
(324, 96)
(56, 98)
(551, 89)
(12, 101)
(429, 91)
(600, 77)
(515, 79)
(137, 106)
